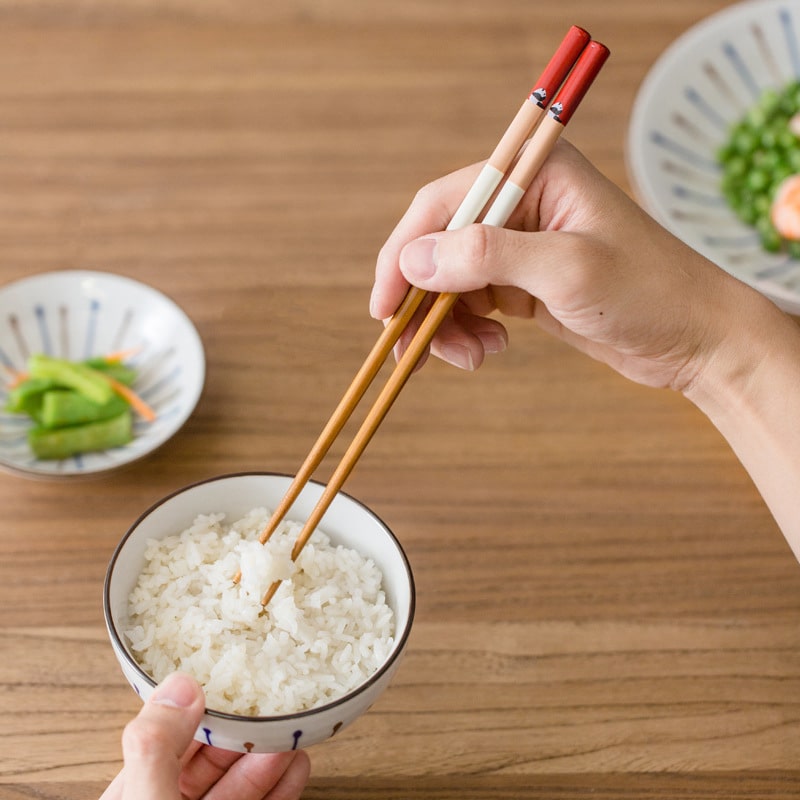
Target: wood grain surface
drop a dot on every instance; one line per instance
(605, 607)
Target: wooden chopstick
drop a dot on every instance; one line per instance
(544, 139)
(526, 120)
(528, 164)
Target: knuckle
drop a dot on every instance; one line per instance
(385, 255)
(144, 741)
(431, 203)
(477, 245)
(427, 193)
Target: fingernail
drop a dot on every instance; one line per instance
(457, 355)
(418, 258)
(176, 691)
(493, 342)
(373, 303)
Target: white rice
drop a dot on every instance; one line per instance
(327, 629)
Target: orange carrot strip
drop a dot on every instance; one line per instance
(136, 402)
(120, 355)
(17, 378)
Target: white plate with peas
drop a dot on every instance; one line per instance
(713, 146)
(97, 370)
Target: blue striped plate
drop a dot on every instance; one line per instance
(705, 81)
(80, 314)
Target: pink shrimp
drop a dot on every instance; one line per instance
(785, 211)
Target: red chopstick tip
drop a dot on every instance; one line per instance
(580, 79)
(572, 45)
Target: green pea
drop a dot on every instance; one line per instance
(736, 167)
(744, 141)
(762, 203)
(770, 239)
(758, 180)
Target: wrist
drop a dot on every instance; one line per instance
(756, 348)
(750, 390)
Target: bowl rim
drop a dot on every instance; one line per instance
(397, 650)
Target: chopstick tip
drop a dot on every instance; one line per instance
(270, 593)
(561, 62)
(586, 69)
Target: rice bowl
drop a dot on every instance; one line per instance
(357, 616)
(327, 629)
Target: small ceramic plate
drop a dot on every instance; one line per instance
(80, 314)
(705, 81)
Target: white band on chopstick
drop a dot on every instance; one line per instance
(505, 203)
(529, 164)
(477, 197)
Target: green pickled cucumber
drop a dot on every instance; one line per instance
(50, 444)
(60, 407)
(81, 378)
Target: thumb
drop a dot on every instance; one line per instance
(156, 739)
(467, 259)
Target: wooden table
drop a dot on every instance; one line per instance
(605, 607)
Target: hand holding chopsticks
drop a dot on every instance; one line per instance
(579, 60)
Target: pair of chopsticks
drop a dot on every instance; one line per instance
(542, 117)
